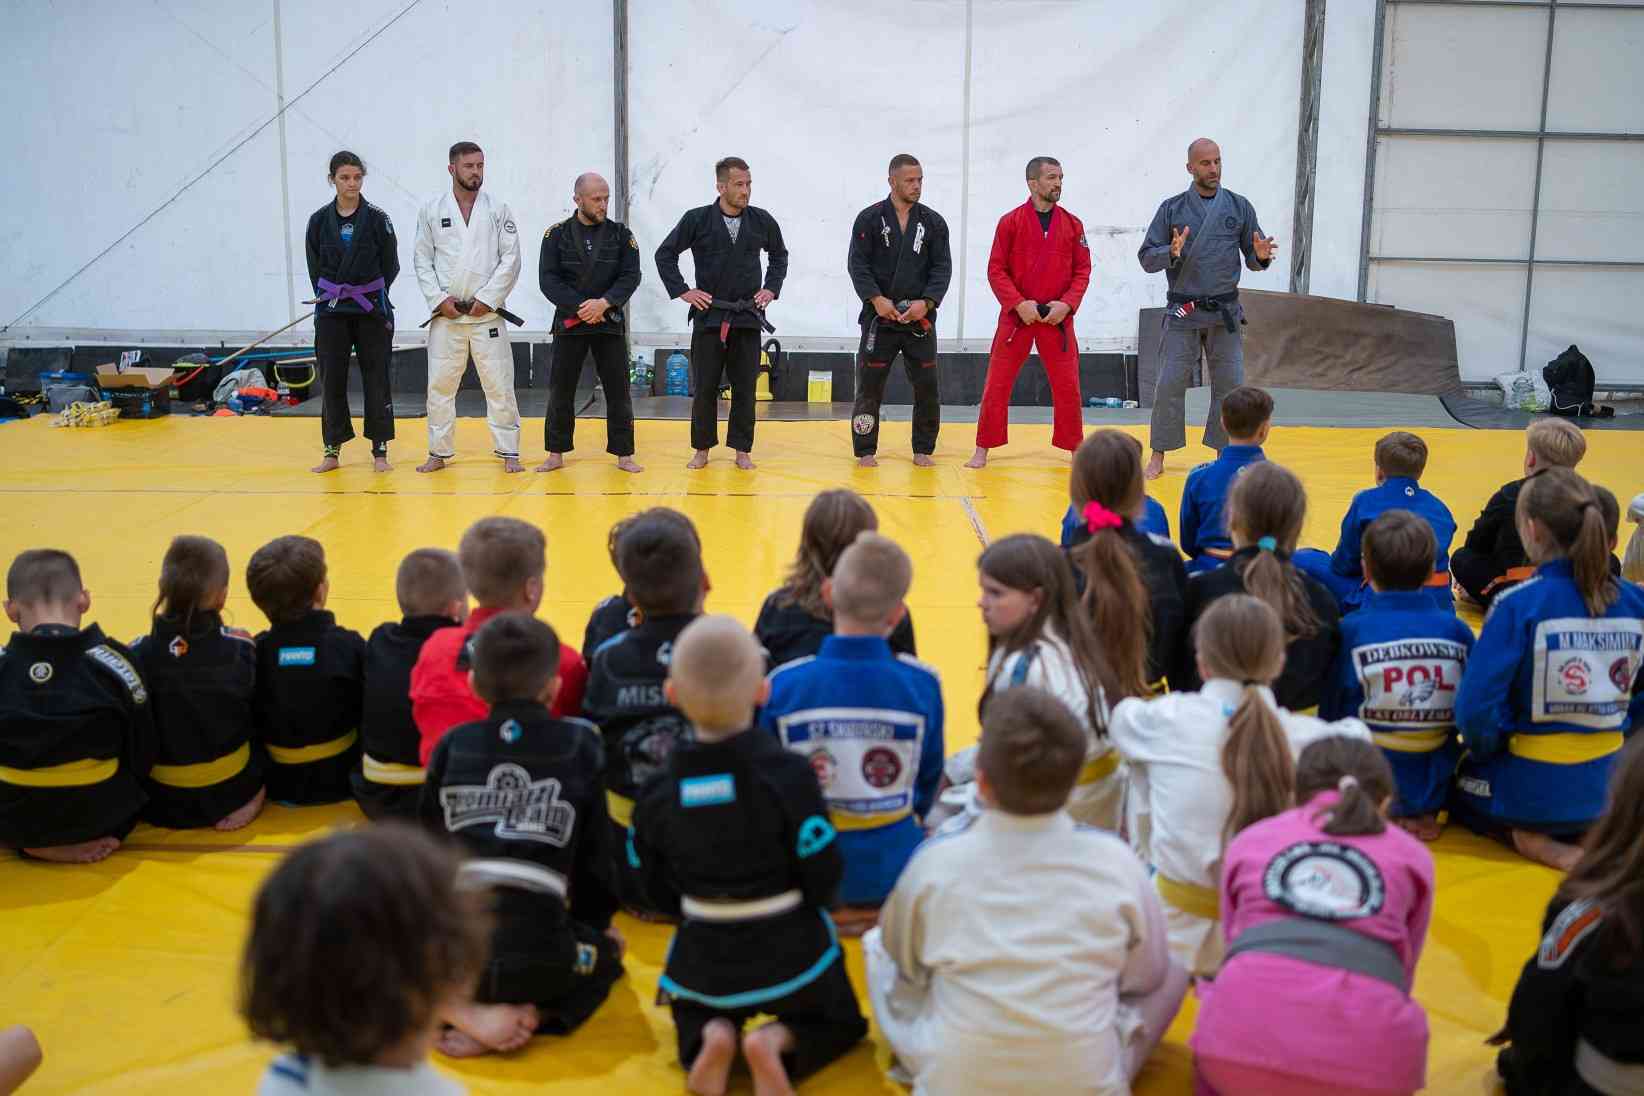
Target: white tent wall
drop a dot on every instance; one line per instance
(118, 108)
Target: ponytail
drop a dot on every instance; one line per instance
(1567, 509)
(1256, 760)
(193, 570)
(1355, 768)
(1266, 508)
(1105, 485)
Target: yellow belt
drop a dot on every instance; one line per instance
(70, 774)
(1189, 897)
(205, 773)
(1313, 711)
(843, 820)
(1417, 742)
(1157, 688)
(1566, 748)
(621, 809)
(391, 772)
(1098, 768)
(302, 755)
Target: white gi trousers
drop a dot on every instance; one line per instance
(450, 343)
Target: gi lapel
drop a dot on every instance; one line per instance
(1043, 238)
(588, 242)
(1208, 222)
(348, 266)
(897, 238)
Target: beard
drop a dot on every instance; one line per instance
(472, 188)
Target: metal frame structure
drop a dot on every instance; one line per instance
(1307, 146)
(1541, 135)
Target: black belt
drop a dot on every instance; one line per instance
(748, 307)
(1209, 304)
(1327, 944)
(463, 307)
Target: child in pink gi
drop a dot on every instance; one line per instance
(1332, 881)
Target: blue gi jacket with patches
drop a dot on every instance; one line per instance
(1202, 498)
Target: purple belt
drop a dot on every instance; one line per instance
(331, 291)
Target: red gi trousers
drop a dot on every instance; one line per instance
(1059, 350)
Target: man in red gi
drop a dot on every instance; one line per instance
(1039, 269)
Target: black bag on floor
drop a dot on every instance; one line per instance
(1570, 377)
(199, 377)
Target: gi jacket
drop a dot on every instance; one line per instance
(610, 618)
(1399, 670)
(1203, 526)
(1548, 695)
(389, 740)
(1575, 989)
(1219, 233)
(1307, 659)
(570, 271)
(1027, 263)
(737, 820)
(310, 677)
(1395, 493)
(76, 738)
(904, 266)
(374, 254)
(1494, 534)
(625, 700)
(1165, 577)
(725, 271)
(789, 631)
(203, 682)
(869, 722)
(522, 791)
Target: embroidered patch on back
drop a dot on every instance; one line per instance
(1325, 879)
(1567, 931)
(297, 656)
(707, 791)
(522, 808)
(123, 669)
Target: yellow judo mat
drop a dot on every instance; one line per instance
(126, 969)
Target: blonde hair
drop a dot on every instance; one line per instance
(1632, 562)
(717, 670)
(1239, 637)
(871, 579)
(1556, 442)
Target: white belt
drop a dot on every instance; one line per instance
(502, 872)
(1604, 1073)
(712, 909)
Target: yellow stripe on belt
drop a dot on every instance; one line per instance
(70, 774)
(1417, 742)
(205, 773)
(850, 821)
(392, 772)
(621, 809)
(303, 755)
(1098, 768)
(1190, 898)
(1566, 748)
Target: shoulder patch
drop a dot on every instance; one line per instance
(1567, 931)
(116, 662)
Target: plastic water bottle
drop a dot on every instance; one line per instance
(679, 381)
(1099, 401)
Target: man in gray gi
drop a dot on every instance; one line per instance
(1196, 238)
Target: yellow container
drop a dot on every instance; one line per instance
(821, 387)
(762, 383)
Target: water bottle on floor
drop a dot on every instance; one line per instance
(679, 376)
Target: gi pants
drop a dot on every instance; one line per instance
(450, 342)
(1059, 350)
(567, 972)
(1186, 339)
(918, 350)
(823, 1016)
(736, 358)
(611, 363)
(370, 340)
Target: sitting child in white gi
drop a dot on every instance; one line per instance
(1021, 951)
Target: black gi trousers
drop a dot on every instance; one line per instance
(736, 358)
(610, 362)
(336, 335)
(567, 971)
(918, 350)
(823, 1016)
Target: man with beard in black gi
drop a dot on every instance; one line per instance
(588, 268)
(900, 266)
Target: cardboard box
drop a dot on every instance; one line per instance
(140, 403)
(109, 375)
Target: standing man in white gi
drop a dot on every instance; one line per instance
(467, 260)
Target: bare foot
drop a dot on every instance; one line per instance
(243, 816)
(869, 461)
(454, 1044)
(86, 852)
(380, 464)
(502, 1028)
(432, 464)
(1546, 850)
(745, 462)
(512, 464)
(712, 1068)
(978, 459)
(1459, 592)
(853, 921)
(329, 464)
(554, 463)
(1155, 466)
(617, 938)
(763, 1048)
(629, 464)
(1422, 827)
(923, 460)
(698, 460)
